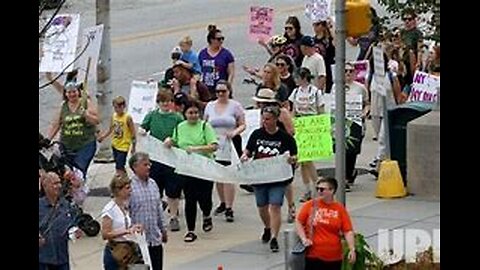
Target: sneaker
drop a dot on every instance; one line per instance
(267, 234)
(354, 175)
(164, 205)
(374, 173)
(247, 188)
(291, 214)
(174, 225)
(220, 209)
(374, 139)
(207, 224)
(347, 188)
(229, 215)
(306, 196)
(274, 245)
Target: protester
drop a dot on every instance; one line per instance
(76, 120)
(184, 81)
(55, 221)
(286, 67)
(189, 57)
(314, 62)
(293, 33)
(330, 221)
(228, 120)
(307, 100)
(195, 136)
(271, 80)
(116, 221)
(160, 124)
(324, 46)
(124, 134)
(356, 131)
(216, 61)
(145, 208)
(269, 141)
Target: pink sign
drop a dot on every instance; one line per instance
(361, 68)
(261, 23)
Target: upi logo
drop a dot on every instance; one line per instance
(407, 243)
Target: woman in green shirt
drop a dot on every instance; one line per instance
(195, 136)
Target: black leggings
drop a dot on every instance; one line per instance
(196, 190)
(350, 160)
(156, 257)
(317, 264)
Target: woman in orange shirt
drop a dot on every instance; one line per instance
(330, 220)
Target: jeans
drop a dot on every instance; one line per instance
(109, 262)
(84, 156)
(45, 266)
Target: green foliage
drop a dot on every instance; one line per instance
(366, 258)
(421, 7)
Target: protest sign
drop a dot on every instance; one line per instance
(60, 44)
(361, 69)
(261, 23)
(378, 61)
(252, 121)
(425, 87)
(353, 106)
(313, 137)
(91, 43)
(318, 10)
(142, 99)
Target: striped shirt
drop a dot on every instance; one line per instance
(146, 208)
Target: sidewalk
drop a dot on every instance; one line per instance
(237, 245)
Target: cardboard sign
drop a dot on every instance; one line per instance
(425, 87)
(261, 23)
(91, 42)
(142, 99)
(313, 137)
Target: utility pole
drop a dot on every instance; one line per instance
(340, 36)
(104, 92)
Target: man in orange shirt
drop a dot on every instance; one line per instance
(330, 219)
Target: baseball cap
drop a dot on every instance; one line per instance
(176, 49)
(307, 41)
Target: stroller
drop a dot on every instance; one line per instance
(54, 158)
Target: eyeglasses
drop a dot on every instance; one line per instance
(288, 28)
(322, 189)
(407, 19)
(220, 38)
(348, 70)
(280, 64)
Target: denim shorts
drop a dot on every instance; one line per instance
(269, 194)
(120, 158)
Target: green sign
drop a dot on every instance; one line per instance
(313, 135)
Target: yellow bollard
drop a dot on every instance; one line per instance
(389, 183)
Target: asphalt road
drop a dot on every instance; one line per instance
(143, 32)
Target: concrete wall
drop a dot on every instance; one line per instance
(423, 155)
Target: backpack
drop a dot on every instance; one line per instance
(309, 91)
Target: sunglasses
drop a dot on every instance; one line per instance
(280, 64)
(407, 19)
(288, 28)
(220, 38)
(348, 70)
(322, 189)
(221, 91)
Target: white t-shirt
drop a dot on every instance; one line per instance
(113, 211)
(315, 64)
(306, 100)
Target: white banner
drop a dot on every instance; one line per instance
(93, 37)
(259, 171)
(425, 87)
(60, 43)
(142, 99)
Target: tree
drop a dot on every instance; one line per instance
(429, 9)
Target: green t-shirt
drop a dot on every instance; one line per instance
(75, 132)
(411, 38)
(201, 133)
(161, 124)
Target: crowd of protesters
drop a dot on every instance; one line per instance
(197, 112)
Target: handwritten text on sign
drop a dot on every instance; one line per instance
(142, 99)
(259, 171)
(313, 137)
(261, 23)
(425, 87)
(60, 44)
